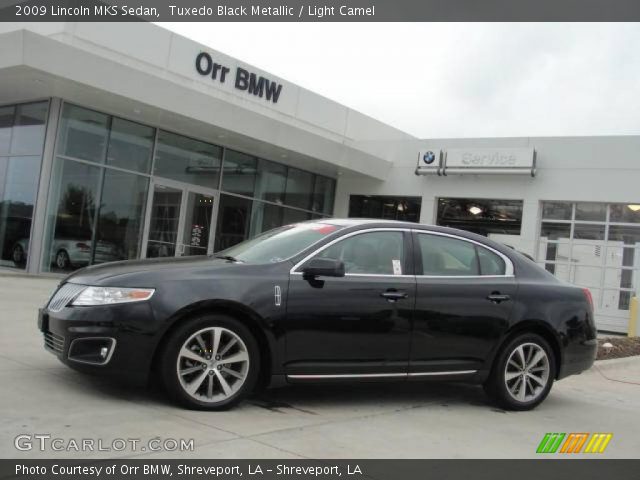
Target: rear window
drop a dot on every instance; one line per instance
(444, 256)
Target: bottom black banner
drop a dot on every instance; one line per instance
(543, 469)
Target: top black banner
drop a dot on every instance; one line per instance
(320, 10)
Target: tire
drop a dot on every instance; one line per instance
(62, 260)
(17, 255)
(508, 373)
(200, 383)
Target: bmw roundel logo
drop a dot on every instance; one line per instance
(429, 157)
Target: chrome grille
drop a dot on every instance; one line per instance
(64, 295)
(54, 342)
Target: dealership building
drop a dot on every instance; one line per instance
(123, 141)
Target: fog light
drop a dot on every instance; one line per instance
(92, 350)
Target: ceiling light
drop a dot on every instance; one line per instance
(475, 210)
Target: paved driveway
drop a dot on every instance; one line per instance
(39, 395)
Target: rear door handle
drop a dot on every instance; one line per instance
(496, 297)
(394, 295)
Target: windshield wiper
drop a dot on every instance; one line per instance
(229, 257)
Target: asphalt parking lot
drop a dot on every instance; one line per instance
(39, 395)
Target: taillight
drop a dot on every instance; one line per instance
(83, 246)
(588, 296)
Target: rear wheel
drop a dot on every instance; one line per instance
(523, 373)
(210, 363)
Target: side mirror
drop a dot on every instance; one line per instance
(323, 267)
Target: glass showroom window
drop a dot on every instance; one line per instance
(22, 129)
(593, 245)
(258, 195)
(480, 215)
(389, 208)
(187, 160)
(241, 218)
(95, 212)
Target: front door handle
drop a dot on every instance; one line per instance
(497, 297)
(394, 295)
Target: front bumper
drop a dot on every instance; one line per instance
(128, 331)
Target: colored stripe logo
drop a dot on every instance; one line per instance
(574, 443)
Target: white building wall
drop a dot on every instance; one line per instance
(591, 169)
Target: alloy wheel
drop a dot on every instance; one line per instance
(62, 259)
(527, 372)
(212, 364)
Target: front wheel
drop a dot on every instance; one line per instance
(210, 363)
(523, 373)
(63, 262)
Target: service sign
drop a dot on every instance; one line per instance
(490, 158)
(477, 161)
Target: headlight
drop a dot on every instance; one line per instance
(109, 295)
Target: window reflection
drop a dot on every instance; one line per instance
(389, 208)
(234, 217)
(83, 133)
(299, 188)
(480, 215)
(323, 195)
(625, 213)
(130, 145)
(187, 160)
(74, 217)
(165, 215)
(28, 130)
(271, 181)
(239, 173)
(557, 210)
(18, 188)
(265, 217)
(22, 129)
(119, 233)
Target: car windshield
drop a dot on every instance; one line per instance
(279, 244)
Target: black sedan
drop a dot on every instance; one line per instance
(331, 300)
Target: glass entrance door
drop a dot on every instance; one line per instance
(179, 221)
(165, 217)
(198, 214)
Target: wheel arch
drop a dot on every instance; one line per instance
(248, 317)
(538, 327)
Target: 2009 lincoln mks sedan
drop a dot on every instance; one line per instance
(328, 300)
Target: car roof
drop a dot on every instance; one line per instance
(381, 223)
(376, 222)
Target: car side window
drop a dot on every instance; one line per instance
(378, 253)
(447, 257)
(490, 263)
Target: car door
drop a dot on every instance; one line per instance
(465, 293)
(359, 325)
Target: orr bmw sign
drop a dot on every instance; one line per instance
(477, 161)
(241, 78)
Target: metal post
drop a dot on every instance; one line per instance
(36, 242)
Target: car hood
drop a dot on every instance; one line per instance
(150, 270)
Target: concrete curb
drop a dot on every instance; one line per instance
(618, 362)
